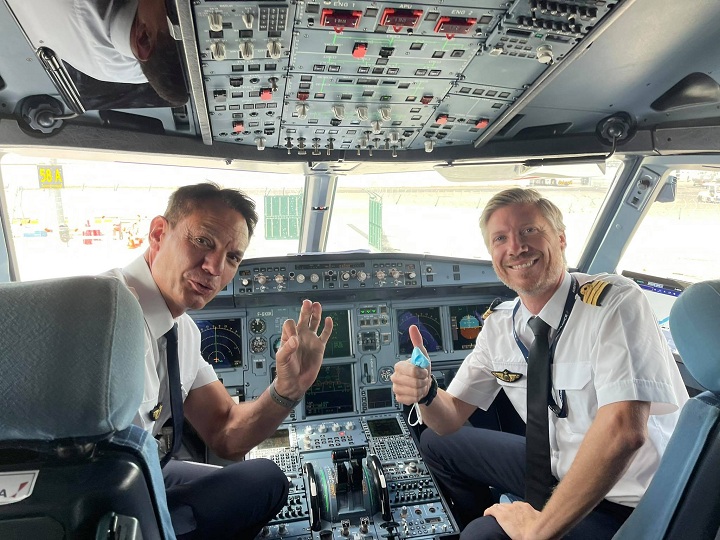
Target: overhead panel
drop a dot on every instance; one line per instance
(316, 77)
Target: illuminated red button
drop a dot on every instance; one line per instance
(266, 94)
(238, 126)
(482, 123)
(441, 119)
(359, 50)
(426, 99)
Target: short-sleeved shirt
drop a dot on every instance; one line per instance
(607, 353)
(93, 36)
(195, 372)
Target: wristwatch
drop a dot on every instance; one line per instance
(427, 400)
(281, 400)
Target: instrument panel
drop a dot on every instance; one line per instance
(351, 459)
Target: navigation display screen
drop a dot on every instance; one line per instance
(340, 343)
(465, 325)
(332, 392)
(661, 293)
(220, 342)
(428, 322)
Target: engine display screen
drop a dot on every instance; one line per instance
(384, 427)
(428, 322)
(332, 392)
(220, 342)
(340, 343)
(465, 324)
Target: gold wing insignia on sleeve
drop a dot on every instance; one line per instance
(594, 291)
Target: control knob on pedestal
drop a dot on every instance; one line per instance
(322, 428)
(361, 276)
(300, 278)
(380, 274)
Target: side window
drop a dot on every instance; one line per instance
(680, 239)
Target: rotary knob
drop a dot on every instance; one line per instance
(245, 282)
(279, 278)
(380, 274)
(345, 276)
(411, 275)
(394, 273)
(308, 429)
(361, 276)
(314, 278)
(300, 278)
(336, 426)
(349, 426)
(262, 279)
(322, 428)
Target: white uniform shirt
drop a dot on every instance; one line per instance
(606, 354)
(93, 36)
(194, 370)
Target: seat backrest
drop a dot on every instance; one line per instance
(682, 500)
(71, 382)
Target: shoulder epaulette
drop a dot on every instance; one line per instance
(489, 311)
(593, 292)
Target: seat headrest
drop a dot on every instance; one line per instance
(695, 327)
(71, 358)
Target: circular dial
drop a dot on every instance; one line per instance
(257, 326)
(258, 344)
(300, 278)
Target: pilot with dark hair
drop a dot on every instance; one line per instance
(194, 251)
(109, 40)
(598, 388)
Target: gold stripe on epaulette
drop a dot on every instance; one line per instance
(593, 292)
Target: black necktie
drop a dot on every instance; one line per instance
(176, 403)
(539, 480)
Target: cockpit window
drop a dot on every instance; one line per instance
(71, 217)
(425, 212)
(677, 239)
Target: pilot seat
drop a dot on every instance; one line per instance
(72, 466)
(682, 500)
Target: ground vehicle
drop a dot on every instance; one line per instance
(710, 194)
(343, 118)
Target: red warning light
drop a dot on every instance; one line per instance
(482, 123)
(359, 50)
(441, 119)
(401, 18)
(340, 19)
(266, 94)
(450, 26)
(238, 126)
(425, 100)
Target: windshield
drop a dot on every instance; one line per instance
(84, 217)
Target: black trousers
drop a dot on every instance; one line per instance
(470, 460)
(233, 502)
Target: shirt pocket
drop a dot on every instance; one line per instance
(571, 376)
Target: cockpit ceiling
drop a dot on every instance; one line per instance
(423, 81)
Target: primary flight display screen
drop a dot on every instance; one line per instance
(220, 342)
(465, 325)
(332, 392)
(428, 322)
(340, 343)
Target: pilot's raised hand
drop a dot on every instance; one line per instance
(411, 383)
(301, 351)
